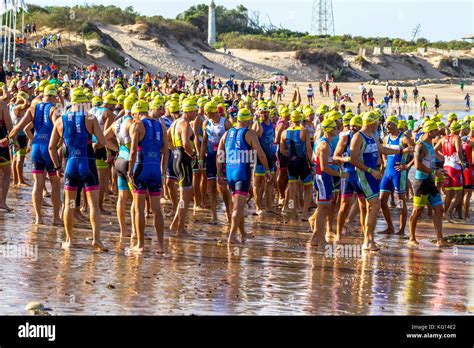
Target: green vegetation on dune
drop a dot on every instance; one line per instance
(288, 41)
(111, 53)
(237, 28)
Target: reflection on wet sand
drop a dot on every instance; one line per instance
(275, 273)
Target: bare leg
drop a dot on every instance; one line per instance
(212, 184)
(37, 196)
(55, 198)
(307, 201)
(403, 214)
(93, 200)
(413, 222)
(123, 198)
(341, 217)
(69, 205)
(370, 222)
(384, 196)
(104, 178)
(6, 172)
(258, 190)
(158, 222)
(227, 198)
(318, 237)
(237, 216)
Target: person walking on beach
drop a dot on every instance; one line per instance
(235, 149)
(415, 95)
(148, 160)
(424, 187)
(436, 104)
(321, 88)
(76, 130)
(310, 94)
(43, 118)
(324, 180)
(467, 99)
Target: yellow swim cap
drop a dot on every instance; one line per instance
(42, 85)
(285, 112)
(356, 121)
(189, 105)
(96, 101)
(175, 96)
(291, 106)
(158, 102)
(455, 126)
(369, 118)
(471, 125)
(140, 107)
(50, 91)
(323, 109)
(78, 96)
(296, 116)
(392, 119)
(452, 116)
(440, 124)
(308, 111)
(271, 104)
(346, 119)
(201, 102)
(121, 99)
(262, 107)
(429, 126)
(173, 106)
(334, 115)
(436, 118)
(210, 107)
(328, 124)
(128, 103)
(110, 100)
(402, 124)
(244, 115)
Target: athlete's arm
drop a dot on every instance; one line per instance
(257, 128)
(197, 145)
(135, 138)
(323, 153)
(53, 143)
(341, 146)
(109, 136)
(109, 118)
(165, 154)
(307, 140)
(283, 148)
(388, 151)
(221, 156)
(186, 134)
(98, 133)
(252, 139)
(203, 149)
(458, 146)
(25, 120)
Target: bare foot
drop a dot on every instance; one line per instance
(413, 243)
(183, 233)
(233, 241)
(99, 246)
(66, 245)
(25, 184)
(443, 244)
(126, 234)
(447, 218)
(400, 233)
(137, 249)
(387, 231)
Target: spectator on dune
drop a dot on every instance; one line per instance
(321, 88)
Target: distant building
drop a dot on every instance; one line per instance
(469, 38)
(211, 28)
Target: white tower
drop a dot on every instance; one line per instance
(211, 28)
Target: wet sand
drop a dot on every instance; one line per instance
(273, 274)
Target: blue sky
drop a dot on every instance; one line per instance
(439, 19)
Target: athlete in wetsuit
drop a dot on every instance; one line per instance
(76, 128)
(237, 149)
(43, 120)
(214, 128)
(265, 130)
(424, 186)
(184, 154)
(395, 175)
(148, 160)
